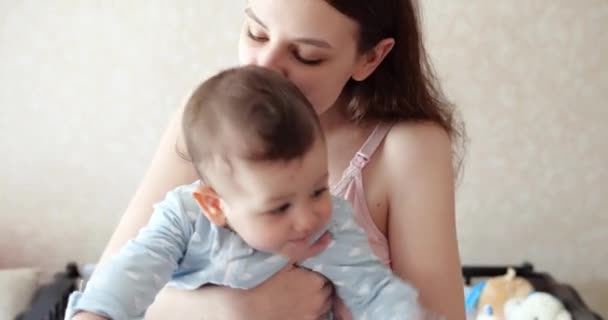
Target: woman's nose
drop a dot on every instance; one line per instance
(272, 58)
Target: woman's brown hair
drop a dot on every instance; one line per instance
(403, 87)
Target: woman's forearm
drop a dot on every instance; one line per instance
(208, 303)
(291, 293)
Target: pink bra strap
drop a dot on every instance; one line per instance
(369, 147)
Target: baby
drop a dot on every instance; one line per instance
(262, 199)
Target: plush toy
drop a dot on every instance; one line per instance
(487, 314)
(536, 306)
(497, 291)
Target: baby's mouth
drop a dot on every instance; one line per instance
(301, 240)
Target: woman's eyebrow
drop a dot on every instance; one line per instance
(255, 18)
(314, 42)
(309, 41)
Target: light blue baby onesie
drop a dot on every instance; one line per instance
(181, 248)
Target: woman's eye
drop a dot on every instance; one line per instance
(258, 38)
(310, 62)
(281, 210)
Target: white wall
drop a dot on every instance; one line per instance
(86, 89)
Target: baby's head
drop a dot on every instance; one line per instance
(257, 145)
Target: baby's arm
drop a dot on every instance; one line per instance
(125, 286)
(368, 287)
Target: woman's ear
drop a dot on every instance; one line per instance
(210, 203)
(369, 61)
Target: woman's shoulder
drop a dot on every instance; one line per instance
(410, 145)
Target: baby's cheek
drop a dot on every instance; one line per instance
(327, 209)
(262, 240)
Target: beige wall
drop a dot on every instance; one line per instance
(86, 89)
(531, 78)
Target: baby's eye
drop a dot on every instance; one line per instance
(319, 192)
(281, 210)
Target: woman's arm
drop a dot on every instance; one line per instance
(422, 230)
(87, 316)
(166, 171)
(292, 293)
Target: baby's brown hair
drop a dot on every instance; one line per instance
(250, 113)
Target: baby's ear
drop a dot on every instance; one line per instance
(210, 203)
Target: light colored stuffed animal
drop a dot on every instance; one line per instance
(487, 314)
(536, 306)
(498, 291)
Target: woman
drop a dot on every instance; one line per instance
(362, 65)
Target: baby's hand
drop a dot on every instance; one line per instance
(87, 316)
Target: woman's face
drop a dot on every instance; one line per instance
(308, 41)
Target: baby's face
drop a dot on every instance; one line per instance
(279, 206)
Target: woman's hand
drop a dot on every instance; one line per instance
(293, 293)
